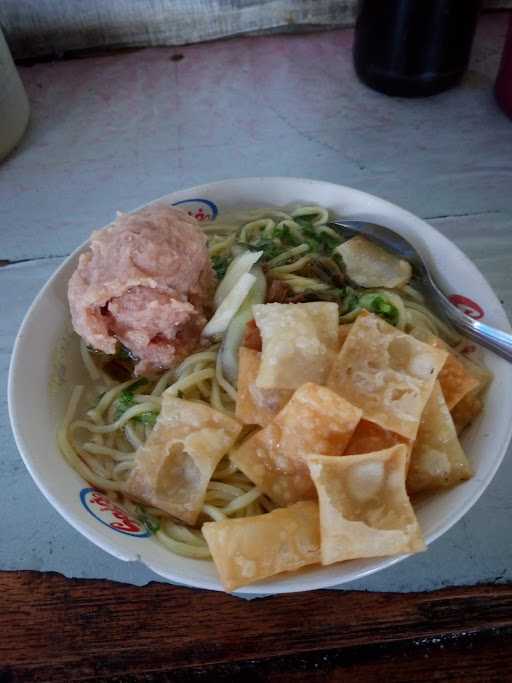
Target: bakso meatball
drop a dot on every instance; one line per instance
(147, 282)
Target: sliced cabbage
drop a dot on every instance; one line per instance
(236, 330)
(369, 265)
(239, 266)
(226, 311)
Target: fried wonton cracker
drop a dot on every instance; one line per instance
(173, 467)
(370, 437)
(343, 331)
(364, 507)
(369, 265)
(299, 343)
(480, 372)
(387, 373)
(252, 548)
(437, 459)
(470, 406)
(315, 419)
(255, 405)
(455, 379)
(466, 411)
(252, 337)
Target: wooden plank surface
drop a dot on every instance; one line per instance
(60, 629)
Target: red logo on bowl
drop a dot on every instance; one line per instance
(467, 306)
(110, 514)
(203, 210)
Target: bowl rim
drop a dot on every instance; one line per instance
(255, 589)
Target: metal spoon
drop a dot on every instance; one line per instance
(495, 340)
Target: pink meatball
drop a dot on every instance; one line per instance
(147, 282)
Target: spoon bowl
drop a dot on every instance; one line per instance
(490, 337)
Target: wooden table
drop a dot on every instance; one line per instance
(110, 132)
(57, 629)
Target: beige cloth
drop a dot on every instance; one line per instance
(53, 27)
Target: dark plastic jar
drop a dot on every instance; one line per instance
(503, 88)
(414, 48)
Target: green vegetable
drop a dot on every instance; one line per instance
(318, 241)
(151, 523)
(282, 238)
(378, 304)
(305, 222)
(147, 418)
(282, 232)
(350, 301)
(328, 242)
(126, 400)
(220, 265)
(270, 248)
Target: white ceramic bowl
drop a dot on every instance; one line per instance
(46, 363)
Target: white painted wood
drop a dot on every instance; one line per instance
(118, 131)
(114, 132)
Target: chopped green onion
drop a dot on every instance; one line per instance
(147, 418)
(151, 523)
(378, 304)
(270, 248)
(126, 400)
(220, 265)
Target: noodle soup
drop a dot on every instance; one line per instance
(293, 260)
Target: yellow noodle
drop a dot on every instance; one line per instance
(293, 227)
(223, 383)
(104, 450)
(242, 501)
(323, 214)
(184, 549)
(287, 255)
(132, 436)
(107, 399)
(162, 383)
(290, 267)
(181, 533)
(301, 284)
(91, 368)
(252, 231)
(214, 512)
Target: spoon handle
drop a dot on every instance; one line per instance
(493, 339)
